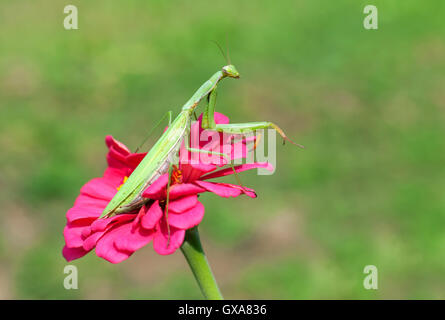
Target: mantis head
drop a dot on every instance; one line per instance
(230, 71)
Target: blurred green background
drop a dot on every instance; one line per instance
(369, 105)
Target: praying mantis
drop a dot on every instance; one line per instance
(159, 160)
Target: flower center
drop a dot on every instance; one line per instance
(176, 175)
(125, 179)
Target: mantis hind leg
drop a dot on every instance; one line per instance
(170, 171)
(242, 128)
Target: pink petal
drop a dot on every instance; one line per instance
(105, 247)
(74, 232)
(192, 172)
(152, 216)
(225, 189)
(71, 254)
(117, 152)
(73, 235)
(183, 204)
(78, 213)
(115, 176)
(99, 188)
(161, 238)
(140, 214)
(116, 161)
(247, 191)
(89, 202)
(134, 159)
(221, 118)
(219, 189)
(157, 188)
(184, 189)
(115, 256)
(187, 219)
(117, 145)
(90, 242)
(132, 239)
(86, 232)
(102, 224)
(119, 157)
(240, 168)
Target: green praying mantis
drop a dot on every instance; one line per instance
(159, 160)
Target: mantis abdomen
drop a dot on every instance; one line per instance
(154, 164)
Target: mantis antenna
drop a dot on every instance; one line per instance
(222, 51)
(169, 114)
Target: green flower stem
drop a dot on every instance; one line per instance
(194, 254)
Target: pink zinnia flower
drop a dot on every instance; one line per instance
(118, 237)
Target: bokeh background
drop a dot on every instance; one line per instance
(369, 105)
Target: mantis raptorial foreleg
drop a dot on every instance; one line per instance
(208, 116)
(208, 122)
